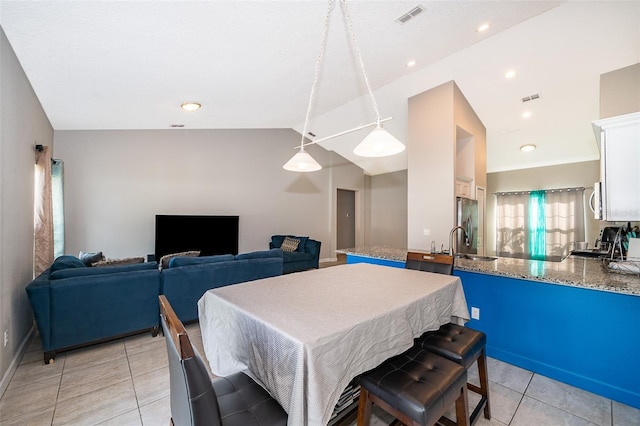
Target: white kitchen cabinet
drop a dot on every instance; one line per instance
(464, 187)
(619, 139)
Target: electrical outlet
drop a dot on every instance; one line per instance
(6, 338)
(475, 313)
(426, 231)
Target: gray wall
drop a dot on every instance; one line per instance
(388, 210)
(23, 123)
(620, 91)
(561, 176)
(434, 118)
(117, 181)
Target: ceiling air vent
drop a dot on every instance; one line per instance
(410, 14)
(530, 98)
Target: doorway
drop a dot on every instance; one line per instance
(346, 219)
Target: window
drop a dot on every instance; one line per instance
(539, 224)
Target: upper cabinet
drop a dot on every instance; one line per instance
(619, 141)
(465, 165)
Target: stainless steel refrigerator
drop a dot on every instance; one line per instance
(467, 217)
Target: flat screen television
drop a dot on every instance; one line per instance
(210, 234)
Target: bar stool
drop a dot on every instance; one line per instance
(416, 387)
(463, 346)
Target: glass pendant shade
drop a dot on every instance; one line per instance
(302, 162)
(379, 143)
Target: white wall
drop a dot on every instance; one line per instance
(23, 124)
(117, 181)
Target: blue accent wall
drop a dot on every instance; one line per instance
(587, 338)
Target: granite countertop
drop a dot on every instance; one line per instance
(572, 271)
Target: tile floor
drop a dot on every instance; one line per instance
(126, 382)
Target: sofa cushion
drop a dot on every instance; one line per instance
(290, 244)
(81, 272)
(90, 258)
(302, 247)
(191, 260)
(164, 260)
(295, 256)
(262, 254)
(65, 262)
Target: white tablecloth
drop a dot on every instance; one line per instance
(305, 335)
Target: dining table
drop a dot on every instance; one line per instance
(304, 336)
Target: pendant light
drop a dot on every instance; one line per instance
(303, 161)
(379, 143)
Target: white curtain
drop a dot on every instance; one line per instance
(564, 216)
(511, 223)
(564, 222)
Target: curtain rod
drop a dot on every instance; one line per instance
(578, 188)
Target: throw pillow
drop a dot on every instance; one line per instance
(164, 260)
(290, 244)
(120, 262)
(91, 257)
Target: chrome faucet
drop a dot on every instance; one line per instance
(453, 230)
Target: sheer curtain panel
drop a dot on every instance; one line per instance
(43, 212)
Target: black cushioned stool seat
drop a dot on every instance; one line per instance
(464, 346)
(417, 387)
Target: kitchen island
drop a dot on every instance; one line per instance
(573, 321)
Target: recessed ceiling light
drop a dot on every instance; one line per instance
(526, 114)
(190, 106)
(411, 63)
(527, 148)
(510, 74)
(484, 27)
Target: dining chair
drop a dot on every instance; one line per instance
(196, 400)
(427, 262)
(460, 344)
(416, 387)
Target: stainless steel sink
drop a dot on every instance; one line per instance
(476, 257)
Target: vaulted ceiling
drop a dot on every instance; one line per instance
(130, 64)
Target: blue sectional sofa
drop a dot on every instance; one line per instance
(75, 305)
(306, 256)
(188, 278)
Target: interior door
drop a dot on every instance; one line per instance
(346, 215)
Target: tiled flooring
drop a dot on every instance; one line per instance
(126, 382)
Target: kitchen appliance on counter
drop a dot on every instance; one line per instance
(467, 217)
(603, 245)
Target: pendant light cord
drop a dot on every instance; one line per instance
(316, 75)
(345, 11)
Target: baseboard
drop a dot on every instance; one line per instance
(328, 259)
(626, 396)
(8, 375)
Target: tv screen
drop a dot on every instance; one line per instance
(210, 234)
